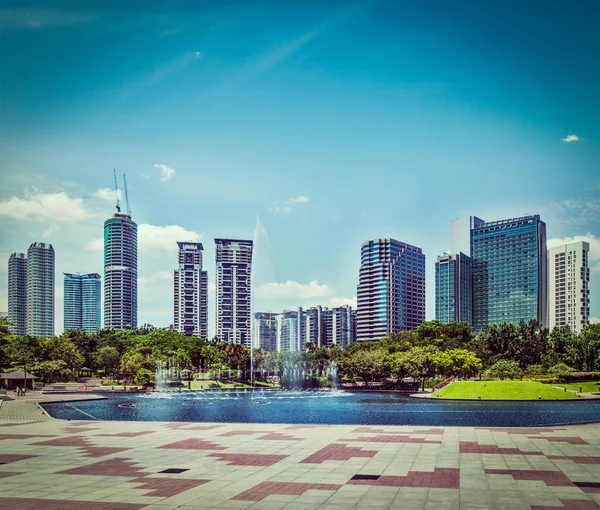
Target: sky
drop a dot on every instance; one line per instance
(307, 126)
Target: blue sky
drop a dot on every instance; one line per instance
(311, 127)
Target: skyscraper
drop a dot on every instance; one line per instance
(190, 291)
(453, 288)
(337, 326)
(568, 286)
(289, 333)
(391, 288)
(510, 272)
(120, 272)
(234, 290)
(460, 229)
(82, 301)
(17, 293)
(40, 290)
(266, 331)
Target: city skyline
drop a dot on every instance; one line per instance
(334, 125)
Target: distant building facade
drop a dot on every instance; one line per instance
(17, 293)
(40, 290)
(234, 291)
(266, 331)
(391, 288)
(120, 272)
(190, 291)
(510, 271)
(568, 286)
(290, 331)
(454, 288)
(82, 301)
(460, 234)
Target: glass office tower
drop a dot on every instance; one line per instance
(391, 288)
(453, 288)
(510, 271)
(82, 301)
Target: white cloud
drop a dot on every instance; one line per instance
(594, 242)
(341, 301)
(44, 206)
(108, 194)
(159, 275)
(287, 206)
(292, 289)
(144, 176)
(166, 172)
(155, 238)
(50, 230)
(595, 320)
(199, 55)
(571, 138)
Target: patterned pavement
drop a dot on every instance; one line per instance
(67, 465)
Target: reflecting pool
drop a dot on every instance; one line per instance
(327, 407)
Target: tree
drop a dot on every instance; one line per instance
(419, 362)
(560, 371)
(365, 364)
(534, 342)
(108, 359)
(61, 348)
(505, 369)
(457, 362)
(50, 371)
(144, 376)
(590, 345)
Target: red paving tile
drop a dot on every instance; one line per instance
(167, 487)
(83, 444)
(577, 460)
(472, 447)
(243, 433)
(372, 430)
(570, 440)
(128, 434)
(261, 491)
(337, 452)
(22, 436)
(53, 504)
(70, 430)
(248, 459)
(275, 436)
(441, 478)
(193, 444)
(112, 467)
(570, 504)
(19, 424)
(520, 430)
(6, 475)
(392, 439)
(7, 458)
(551, 478)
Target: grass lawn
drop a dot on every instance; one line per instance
(586, 387)
(502, 390)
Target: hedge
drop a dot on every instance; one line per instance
(581, 376)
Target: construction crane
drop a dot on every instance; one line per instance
(117, 190)
(126, 196)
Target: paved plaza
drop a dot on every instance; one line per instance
(67, 465)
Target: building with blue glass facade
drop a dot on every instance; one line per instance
(391, 288)
(510, 271)
(453, 288)
(82, 301)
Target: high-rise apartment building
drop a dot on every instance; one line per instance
(17, 293)
(290, 339)
(391, 288)
(266, 331)
(234, 291)
(568, 286)
(460, 230)
(337, 327)
(82, 301)
(510, 272)
(190, 291)
(120, 272)
(40, 290)
(453, 288)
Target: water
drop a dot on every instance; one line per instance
(334, 407)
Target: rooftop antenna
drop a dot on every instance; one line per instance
(126, 196)
(117, 191)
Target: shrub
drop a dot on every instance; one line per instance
(504, 369)
(581, 376)
(535, 370)
(560, 371)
